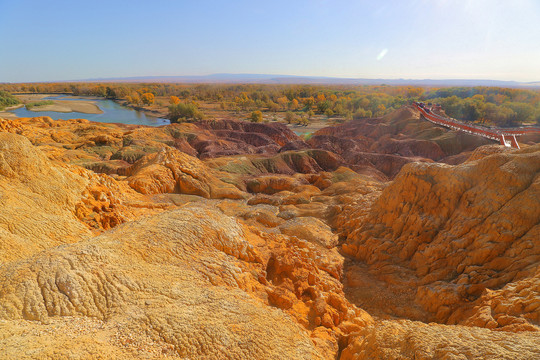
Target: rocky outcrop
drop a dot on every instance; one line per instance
(37, 200)
(278, 252)
(181, 277)
(12, 126)
(171, 171)
(280, 134)
(458, 234)
(285, 163)
(415, 340)
(386, 144)
(55, 202)
(134, 290)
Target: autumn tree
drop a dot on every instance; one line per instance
(110, 93)
(304, 120)
(272, 106)
(323, 106)
(283, 102)
(244, 101)
(256, 116)
(173, 100)
(308, 102)
(364, 103)
(147, 98)
(134, 99)
(338, 109)
(290, 117)
(380, 110)
(362, 113)
(329, 113)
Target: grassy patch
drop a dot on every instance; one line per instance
(306, 136)
(245, 168)
(34, 104)
(6, 99)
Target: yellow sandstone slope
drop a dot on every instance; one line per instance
(92, 269)
(464, 236)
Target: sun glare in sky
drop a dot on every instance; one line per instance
(381, 54)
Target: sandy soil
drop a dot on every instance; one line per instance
(82, 97)
(7, 115)
(32, 97)
(86, 107)
(311, 128)
(13, 107)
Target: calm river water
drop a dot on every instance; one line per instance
(112, 113)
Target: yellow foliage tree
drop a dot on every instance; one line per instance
(147, 98)
(294, 104)
(283, 101)
(308, 102)
(321, 98)
(380, 110)
(134, 99)
(174, 100)
(256, 116)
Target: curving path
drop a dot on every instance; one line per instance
(506, 136)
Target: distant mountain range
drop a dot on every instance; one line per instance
(288, 79)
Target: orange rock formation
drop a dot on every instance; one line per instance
(272, 250)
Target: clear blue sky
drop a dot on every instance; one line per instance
(437, 39)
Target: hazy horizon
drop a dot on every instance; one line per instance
(413, 40)
(264, 77)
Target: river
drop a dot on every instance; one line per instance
(112, 113)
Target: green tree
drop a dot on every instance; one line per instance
(256, 116)
(110, 93)
(524, 112)
(323, 106)
(184, 112)
(309, 102)
(304, 120)
(6, 99)
(361, 113)
(290, 117)
(329, 113)
(272, 106)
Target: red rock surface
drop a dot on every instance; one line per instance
(388, 143)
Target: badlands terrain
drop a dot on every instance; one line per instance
(384, 238)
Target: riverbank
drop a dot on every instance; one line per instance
(5, 114)
(24, 98)
(67, 106)
(157, 112)
(90, 108)
(85, 106)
